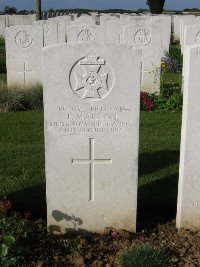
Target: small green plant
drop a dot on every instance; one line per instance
(12, 229)
(145, 256)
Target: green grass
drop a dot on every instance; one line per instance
(168, 77)
(22, 174)
(22, 160)
(158, 166)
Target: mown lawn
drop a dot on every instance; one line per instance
(22, 175)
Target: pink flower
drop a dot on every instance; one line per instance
(141, 238)
(114, 234)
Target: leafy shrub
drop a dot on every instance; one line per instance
(145, 256)
(166, 100)
(12, 229)
(173, 102)
(168, 89)
(20, 99)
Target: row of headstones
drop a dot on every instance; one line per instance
(91, 107)
(12, 20)
(29, 19)
(180, 24)
(163, 23)
(24, 43)
(91, 101)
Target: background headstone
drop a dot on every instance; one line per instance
(149, 40)
(24, 55)
(188, 208)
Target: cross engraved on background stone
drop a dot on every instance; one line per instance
(24, 72)
(92, 161)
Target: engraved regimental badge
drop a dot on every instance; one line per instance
(23, 39)
(92, 78)
(143, 37)
(85, 36)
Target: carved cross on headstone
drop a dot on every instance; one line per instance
(25, 70)
(92, 161)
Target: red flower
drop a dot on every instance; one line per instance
(6, 205)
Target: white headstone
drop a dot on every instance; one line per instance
(91, 102)
(186, 21)
(40, 23)
(191, 37)
(54, 32)
(24, 55)
(113, 31)
(188, 209)
(14, 20)
(84, 19)
(148, 38)
(164, 22)
(177, 27)
(2, 25)
(105, 18)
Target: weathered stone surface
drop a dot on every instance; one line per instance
(163, 22)
(188, 209)
(91, 102)
(54, 32)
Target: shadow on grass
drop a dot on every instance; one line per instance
(157, 200)
(150, 162)
(30, 199)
